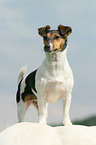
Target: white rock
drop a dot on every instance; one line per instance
(36, 134)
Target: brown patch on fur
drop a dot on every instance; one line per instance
(43, 30)
(64, 30)
(55, 35)
(58, 44)
(32, 99)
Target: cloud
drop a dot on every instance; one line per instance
(10, 13)
(20, 44)
(7, 110)
(82, 110)
(55, 113)
(14, 28)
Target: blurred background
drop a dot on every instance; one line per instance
(20, 44)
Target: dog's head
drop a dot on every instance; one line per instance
(55, 40)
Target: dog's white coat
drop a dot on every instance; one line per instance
(37, 134)
(54, 80)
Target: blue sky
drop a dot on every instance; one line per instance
(20, 44)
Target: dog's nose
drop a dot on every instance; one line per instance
(47, 47)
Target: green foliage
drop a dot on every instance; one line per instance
(91, 121)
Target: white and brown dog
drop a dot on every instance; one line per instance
(51, 81)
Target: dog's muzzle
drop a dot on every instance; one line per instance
(49, 48)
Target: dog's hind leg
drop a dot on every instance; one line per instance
(21, 110)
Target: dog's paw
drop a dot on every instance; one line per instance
(42, 122)
(67, 122)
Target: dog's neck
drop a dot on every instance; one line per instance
(56, 58)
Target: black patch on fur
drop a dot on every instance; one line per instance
(30, 84)
(18, 92)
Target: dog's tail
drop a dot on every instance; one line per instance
(22, 72)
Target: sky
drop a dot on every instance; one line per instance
(20, 44)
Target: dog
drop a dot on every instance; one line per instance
(51, 81)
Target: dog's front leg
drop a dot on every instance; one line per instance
(66, 108)
(42, 104)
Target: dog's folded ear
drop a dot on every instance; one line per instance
(43, 30)
(64, 30)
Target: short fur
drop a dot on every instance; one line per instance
(51, 81)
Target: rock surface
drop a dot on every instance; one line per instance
(36, 134)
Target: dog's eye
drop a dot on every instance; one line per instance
(45, 38)
(57, 37)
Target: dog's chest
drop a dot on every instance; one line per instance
(52, 83)
(53, 91)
